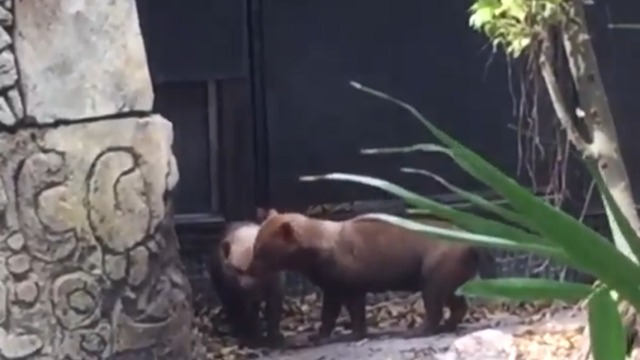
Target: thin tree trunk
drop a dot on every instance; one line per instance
(599, 119)
(603, 145)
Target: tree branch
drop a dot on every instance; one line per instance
(557, 99)
(584, 70)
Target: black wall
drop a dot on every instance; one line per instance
(198, 56)
(420, 51)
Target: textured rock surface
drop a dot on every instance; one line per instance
(477, 345)
(90, 264)
(486, 344)
(11, 106)
(78, 59)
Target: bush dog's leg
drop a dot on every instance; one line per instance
(252, 334)
(331, 306)
(433, 304)
(234, 309)
(230, 298)
(356, 307)
(457, 310)
(273, 312)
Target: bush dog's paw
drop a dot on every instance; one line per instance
(419, 332)
(276, 341)
(319, 339)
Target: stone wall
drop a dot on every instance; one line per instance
(89, 265)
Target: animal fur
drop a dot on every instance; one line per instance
(349, 259)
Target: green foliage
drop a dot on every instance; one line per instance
(524, 289)
(527, 223)
(607, 333)
(629, 235)
(515, 24)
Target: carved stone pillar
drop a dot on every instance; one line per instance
(89, 266)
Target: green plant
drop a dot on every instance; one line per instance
(542, 30)
(528, 224)
(515, 24)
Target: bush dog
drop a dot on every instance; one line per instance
(241, 295)
(347, 259)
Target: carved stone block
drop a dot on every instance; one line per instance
(87, 268)
(11, 107)
(79, 59)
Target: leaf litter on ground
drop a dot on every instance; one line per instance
(396, 312)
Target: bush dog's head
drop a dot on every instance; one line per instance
(236, 248)
(236, 252)
(277, 243)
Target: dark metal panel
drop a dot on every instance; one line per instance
(238, 148)
(256, 55)
(214, 146)
(196, 39)
(421, 51)
(187, 106)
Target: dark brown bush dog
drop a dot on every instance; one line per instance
(243, 296)
(348, 259)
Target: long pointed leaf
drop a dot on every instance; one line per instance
(475, 239)
(475, 199)
(525, 289)
(465, 220)
(583, 244)
(605, 328)
(628, 233)
(469, 196)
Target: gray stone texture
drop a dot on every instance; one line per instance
(78, 59)
(11, 107)
(89, 265)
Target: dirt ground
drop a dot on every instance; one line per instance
(491, 331)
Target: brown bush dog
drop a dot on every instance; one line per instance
(242, 296)
(350, 258)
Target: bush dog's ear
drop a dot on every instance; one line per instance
(261, 214)
(287, 232)
(225, 249)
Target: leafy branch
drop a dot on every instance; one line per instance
(516, 24)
